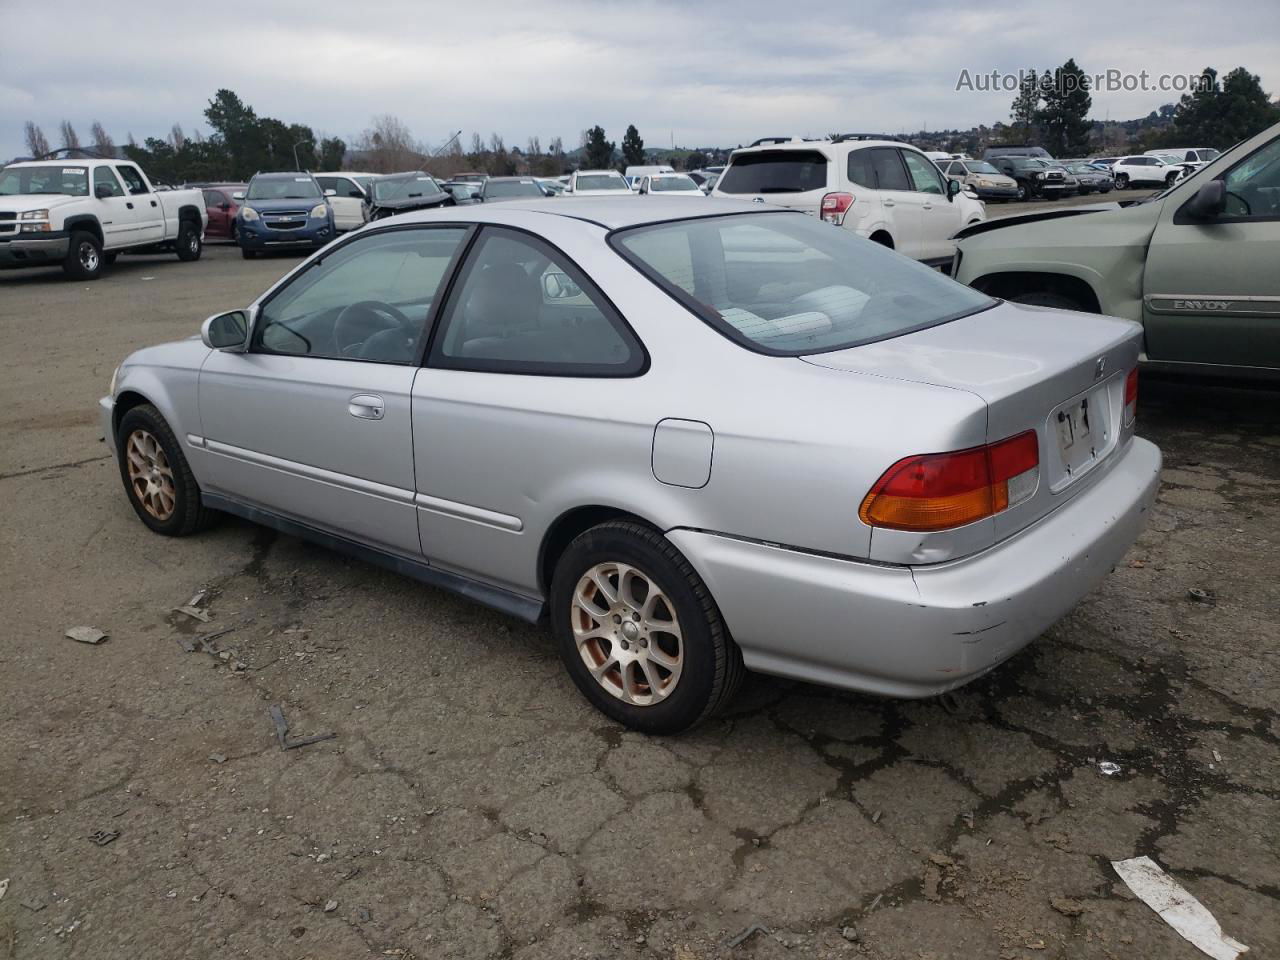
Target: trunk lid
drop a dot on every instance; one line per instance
(1059, 373)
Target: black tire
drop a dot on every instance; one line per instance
(84, 256)
(189, 244)
(247, 253)
(188, 514)
(1170, 180)
(1045, 298)
(711, 668)
(1122, 181)
(231, 235)
(1024, 193)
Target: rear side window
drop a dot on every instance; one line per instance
(786, 284)
(775, 171)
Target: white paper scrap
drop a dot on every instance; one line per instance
(1187, 915)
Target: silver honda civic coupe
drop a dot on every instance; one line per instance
(696, 436)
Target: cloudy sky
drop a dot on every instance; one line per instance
(714, 72)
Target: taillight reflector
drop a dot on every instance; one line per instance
(938, 491)
(835, 206)
(1131, 396)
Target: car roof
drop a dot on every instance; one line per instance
(612, 213)
(281, 174)
(594, 172)
(851, 144)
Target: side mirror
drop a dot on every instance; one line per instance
(953, 188)
(557, 286)
(331, 192)
(226, 331)
(102, 191)
(1210, 201)
(238, 195)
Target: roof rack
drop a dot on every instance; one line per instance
(764, 140)
(841, 137)
(87, 153)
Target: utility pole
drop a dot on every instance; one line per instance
(296, 164)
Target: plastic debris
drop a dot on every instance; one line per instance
(331, 906)
(195, 613)
(86, 634)
(103, 837)
(745, 935)
(1201, 596)
(1176, 907)
(4, 887)
(218, 757)
(875, 817)
(282, 732)
(1108, 769)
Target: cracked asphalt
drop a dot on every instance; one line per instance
(471, 805)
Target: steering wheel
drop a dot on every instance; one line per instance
(359, 321)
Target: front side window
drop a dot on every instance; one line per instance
(367, 300)
(775, 171)
(521, 306)
(787, 284)
(103, 177)
(132, 179)
(214, 198)
(924, 175)
(1253, 186)
(600, 181)
(981, 167)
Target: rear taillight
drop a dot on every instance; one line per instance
(938, 491)
(835, 206)
(1131, 397)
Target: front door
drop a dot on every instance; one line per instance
(313, 422)
(939, 216)
(146, 208)
(116, 212)
(1209, 290)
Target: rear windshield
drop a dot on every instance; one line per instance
(775, 171)
(404, 188)
(501, 189)
(672, 184)
(600, 181)
(787, 284)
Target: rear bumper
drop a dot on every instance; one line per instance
(33, 252)
(919, 631)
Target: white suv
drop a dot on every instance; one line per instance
(884, 190)
(1146, 171)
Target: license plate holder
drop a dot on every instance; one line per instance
(1076, 435)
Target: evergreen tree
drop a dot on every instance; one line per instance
(598, 152)
(1023, 109)
(1064, 118)
(1219, 114)
(632, 147)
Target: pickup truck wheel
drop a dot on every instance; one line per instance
(1023, 192)
(188, 243)
(84, 256)
(1122, 181)
(157, 478)
(1043, 298)
(638, 630)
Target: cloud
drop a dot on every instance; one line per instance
(711, 73)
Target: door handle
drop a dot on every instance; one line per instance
(889, 203)
(153, 203)
(366, 406)
(129, 205)
(927, 206)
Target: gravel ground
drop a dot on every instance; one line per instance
(470, 804)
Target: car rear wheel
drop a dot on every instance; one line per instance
(1045, 298)
(84, 256)
(157, 478)
(1023, 192)
(188, 243)
(639, 632)
(1122, 181)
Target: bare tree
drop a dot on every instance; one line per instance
(102, 142)
(534, 147)
(36, 141)
(388, 145)
(176, 137)
(70, 139)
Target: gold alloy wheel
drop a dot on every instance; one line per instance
(150, 476)
(627, 633)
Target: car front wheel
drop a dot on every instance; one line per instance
(157, 478)
(1122, 181)
(84, 256)
(639, 632)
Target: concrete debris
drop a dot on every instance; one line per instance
(1066, 906)
(1178, 908)
(331, 906)
(1108, 769)
(850, 933)
(86, 634)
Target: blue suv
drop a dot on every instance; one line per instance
(283, 210)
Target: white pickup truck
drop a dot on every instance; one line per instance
(79, 213)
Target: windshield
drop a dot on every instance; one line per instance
(283, 188)
(404, 188)
(602, 181)
(506, 189)
(70, 181)
(981, 166)
(787, 284)
(365, 182)
(672, 184)
(775, 171)
(1081, 168)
